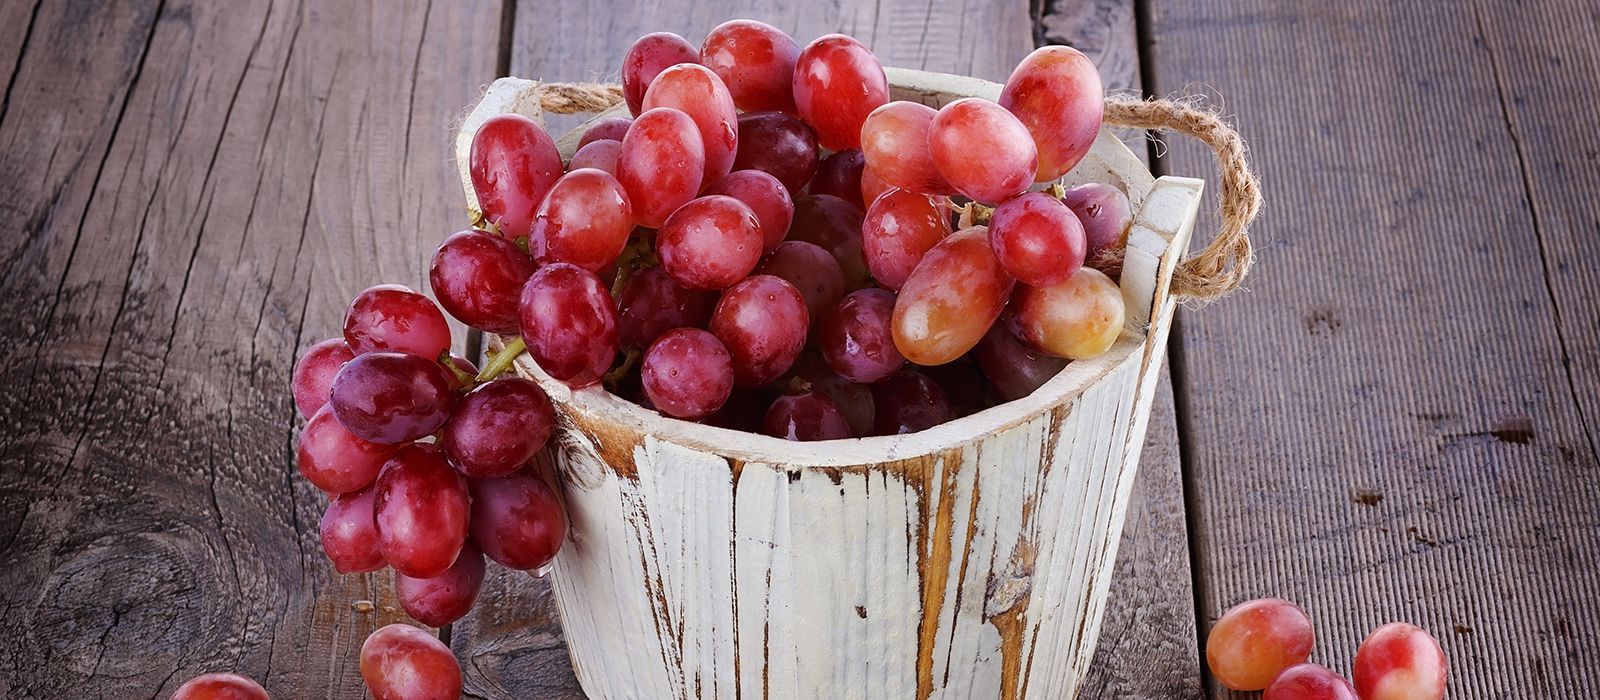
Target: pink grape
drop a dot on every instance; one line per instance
(421, 508)
(599, 155)
(696, 91)
(756, 60)
(1056, 93)
(834, 225)
(854, 400)
(349, 532)
(908, 402)
(478, 278)
(312, 380)
(982, 150)
(1399, 661)
(498, 427)
(608, 128)
(951, 299)
(1255, 641)
(811, 270)
(837, 83)
(652, 303)
(392, 398)
(895, 141)
(1309, 682)
(857, 339)
(401, 662)
(872, 187)
(517, 520)
(805, 417)
(661, 165)
(779, 145)
(443, 599)
(1037, 239)
(766, 197)
(645, 60)
(585, 220)
(762, 321)
(220, 686)
(687, 373)
(391, 318)
(710, 243)
(569, 324)
(334, 460)
(1014, 369)
(900, 227)
(839, 174)
(1077, 319)
(1103, 211)
(513, 163)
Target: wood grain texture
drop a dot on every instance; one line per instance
(191, 191)
(1396, 422)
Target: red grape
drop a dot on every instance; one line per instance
(696, 91)
(762, 321)
(687, 373)
(872, 187)
(908, 402)
(811, 270)
(608, 128)
(498, 427)
(478, 279)
(756, 60)
(513, 164)
(1254, 641)
(585, 220)
(443, 599)
(856, 338)
(1014, 369)
(1037, 239)
(1077, 319)
(900, 227)
(950, 300)
(982, 150)
(837, 83)
(350, 533)
(569, 324)
(834, 225)
(895, 141)
(1400, 662)
(312, 380)
(391, 318)
(600, 155)
(1309, 682)
(661, 164)
(779, 145)
(401, 662)
(1056, 92)
(710, 243)
(765, 196)
(221, 686)
(392, 398)
(648, 56)
(517, 520)
(421, 508)
(652, 304)
(805, 417)
(334, 460)
(1103, 211)
(854, 400)
(839, 174)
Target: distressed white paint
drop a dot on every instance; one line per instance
(710, 563)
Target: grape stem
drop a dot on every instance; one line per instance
(612, 378)
(624, 269)
(467, 381)
(973, 214)
(502, 361)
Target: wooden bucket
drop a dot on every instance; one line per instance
(970, 560)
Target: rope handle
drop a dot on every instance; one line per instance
(1217, 269)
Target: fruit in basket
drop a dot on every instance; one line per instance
(900, 227)
(1077, 319)
(1255, 641)
(812, 271)
(1037, 239)
(856, 336)
(982, 150)
(762, 321)
(1103, 211)
(805, 417)
(498, 427)
(908, 402)
(421, 508)
(835, 226)
(854, 400)
(401, 662)
(651, 303)
(766, 197)
(443, 599)
(1399, 661)
(780, 145)
(710, 243)
(895, 141)
(599, 155)
(392, 318)
(1309, 682)
(517, 520)
(756, 60)
(649, 55)
(839, 174)
(604, 129)
(513, 163)
(569, 324)
(661, 165)
(585, 220)
(478, 279)
(1012, 368)
(696, 91)
(1057, 94)
(687, 373)
(220, 686)
(952, 297)
(837, 83)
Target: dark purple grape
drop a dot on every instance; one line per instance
(854, 400)
(909, 402)
(392, 398)
(811, 270)
(777, 144)
(1014, 369)
(517, 520)
(498, 427)
(839, 174)
(806, 417)
(652, 303)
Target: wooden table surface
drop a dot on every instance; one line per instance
(1398, 421)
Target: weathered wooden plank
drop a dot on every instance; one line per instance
(1392, 423)
(195, 191)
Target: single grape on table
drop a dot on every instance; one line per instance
(1400, 661)
(1255, 641)
(401, 662)
(220, 686)
(1309, 682)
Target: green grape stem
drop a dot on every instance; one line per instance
(502, 361)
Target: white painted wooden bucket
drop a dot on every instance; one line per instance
(970, 560)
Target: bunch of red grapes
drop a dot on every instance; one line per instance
(1265, 644)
